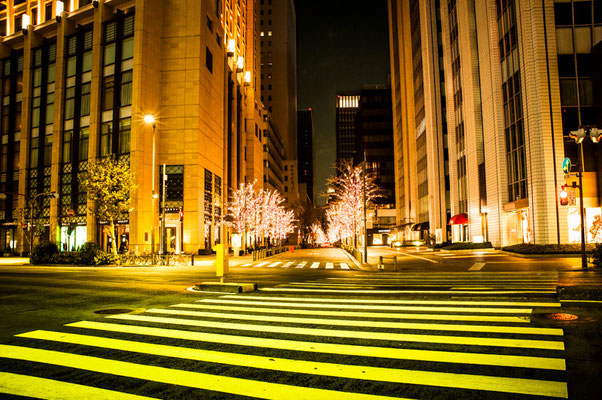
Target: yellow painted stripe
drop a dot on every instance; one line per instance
(471, 285)
(344, 266)
(329, 265)
(217, 383)
(395, 301)
(375, 307)
(332, 348)
(468, 341)
(274, 264)
(42, 388)
(444, 379)
(262, 264)
(356, 314)
(315, 265)
(276, 289)
(366, 324)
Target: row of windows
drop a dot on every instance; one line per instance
(578, 13)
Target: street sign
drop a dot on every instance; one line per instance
(566, 165)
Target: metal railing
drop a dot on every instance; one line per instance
(132, 259)
(381, 262)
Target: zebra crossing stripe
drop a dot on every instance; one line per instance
(301, 265)
(333, 348)
(277, 289)
(274, 264)
(315, 265)
(198, 380)
(366, 324)
(261, 264)
(355, 314)
(444, 379)
(288, 264)
(329, 265)
(246, 265)
(488, 310)
(396, 301)
(344, 266)
(42, 388)
(397, 337)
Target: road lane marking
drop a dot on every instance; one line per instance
(329, 265)
(365, 324)
(379, 374)
(217, 383)
(397, 337)
(355, 314)
(371, 307)
(42, 388)
(274, 264)
(261, 264)
(277, 289)
(288, 264)
(477, 266)
(415, 256)
(301, 264)
(315, 265)
(395, 301)
(246, 265)
(333, 348)
(344, 266)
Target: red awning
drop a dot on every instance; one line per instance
(459, 219)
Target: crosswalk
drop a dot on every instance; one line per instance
(300, 265)
(332, 344)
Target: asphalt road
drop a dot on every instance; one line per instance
(319, 327)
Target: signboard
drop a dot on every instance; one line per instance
(566, 165)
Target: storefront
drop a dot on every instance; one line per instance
(459, 227)
(519, 226)
(8, 238)
(379, 237)
(122, 235)
(72, 237)
(593, 225)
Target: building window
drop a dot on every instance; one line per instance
(209, 59)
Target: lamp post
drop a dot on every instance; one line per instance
(149, 119)
(579, 135)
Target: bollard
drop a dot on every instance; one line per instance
(395, 262)
(381, 266)
(192, 260)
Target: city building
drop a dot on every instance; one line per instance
(305, 152)
(273, 156)
(346, 110)
(374, 144)
(278, 35)
(518, 77)
(82, 79)
(421, 154)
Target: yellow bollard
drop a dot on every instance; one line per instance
(221, 262)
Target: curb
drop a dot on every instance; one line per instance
(225, 287)
(579, 292)
(540, 255)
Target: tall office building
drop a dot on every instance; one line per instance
(305, 151)
(77, 86)
(273, 156)
(278, 33)
(420, 123)
(518, 78)
(346, 111)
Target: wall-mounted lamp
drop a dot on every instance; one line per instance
(231, 47)
(247, 79)
(60, 7)
(240, 64)
(25, 22)
(95, 3)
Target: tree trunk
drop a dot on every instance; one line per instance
(112, 236)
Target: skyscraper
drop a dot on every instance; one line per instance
(517, 80)
(305, 150)
(346, 110)
(278, 34)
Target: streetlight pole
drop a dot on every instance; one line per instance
(162, 244)
(365, 222)
(579, 135)
(150, 120)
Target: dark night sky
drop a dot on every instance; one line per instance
(341, 45)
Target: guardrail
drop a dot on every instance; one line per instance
(272, 251)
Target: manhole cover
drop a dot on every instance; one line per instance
(114, 311)
(559, 316)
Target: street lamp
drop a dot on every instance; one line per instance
(579, 135)
(149, 119)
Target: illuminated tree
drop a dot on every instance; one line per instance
(242, 209)
(108, 183)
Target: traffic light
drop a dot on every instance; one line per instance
(181, 215)
(564, 196)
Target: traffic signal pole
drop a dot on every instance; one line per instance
(581, 208)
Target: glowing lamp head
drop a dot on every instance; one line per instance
(60, 7)
(231, 47)
(149, 119)
(594, 135)
(25, 21)
(240, 64)
(247, 78)
(577, 135)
